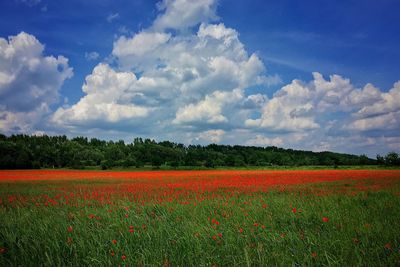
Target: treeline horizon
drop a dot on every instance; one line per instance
(33, 152)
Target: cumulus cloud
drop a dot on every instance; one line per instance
(91, 55)
(108, 98)
(196, 78)
(324, 114)
(29, 82)
(208, 110)
(181, 14)
(260, 140)
(213, 136)
(301, 106)
(187, 77)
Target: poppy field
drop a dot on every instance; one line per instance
(200, 218)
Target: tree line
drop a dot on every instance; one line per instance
(27, 152)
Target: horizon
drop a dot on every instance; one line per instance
(289, 74)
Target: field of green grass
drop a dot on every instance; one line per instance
(96, 223)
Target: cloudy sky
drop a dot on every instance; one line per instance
(315, 75)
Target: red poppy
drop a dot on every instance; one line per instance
(112, 253)
(325, 219)
(123, 257)
(314, 254)
(294, 210)
(2, 250)
(214, 221)
(70, 229)
(388, 246)
(114, 241)
(240, 230)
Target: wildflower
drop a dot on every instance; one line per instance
(388, 246)
(69, 240)
(314, 254)
(114, 241)
(240, 230)
(123, 257)
(214, 221)
(220, 234)
(166, 263)
(214, 237)
(70, 229)
(2, 250)
(112, 253)
(255, 224)
(294, 210)
(325, 219)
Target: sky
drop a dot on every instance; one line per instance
(313, 75)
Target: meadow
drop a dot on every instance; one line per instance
(200, 218)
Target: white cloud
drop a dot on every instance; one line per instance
(381, 110)
(384, 103)
(301, 106)
(91, 55)
(135, 51)
(195, 79)
(108, 98)
(112, 17)
(208, 110)
(181, 14)
(29, 82)
(260, 140)
(186, 75)
(213, 136)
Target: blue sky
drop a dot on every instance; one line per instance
(317, 75)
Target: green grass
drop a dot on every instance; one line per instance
(181, 234)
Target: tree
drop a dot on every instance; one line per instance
(392, 159)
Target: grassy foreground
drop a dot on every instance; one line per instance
(306, 225)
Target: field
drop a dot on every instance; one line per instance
(200, 218)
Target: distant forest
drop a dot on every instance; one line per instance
(27, 152)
